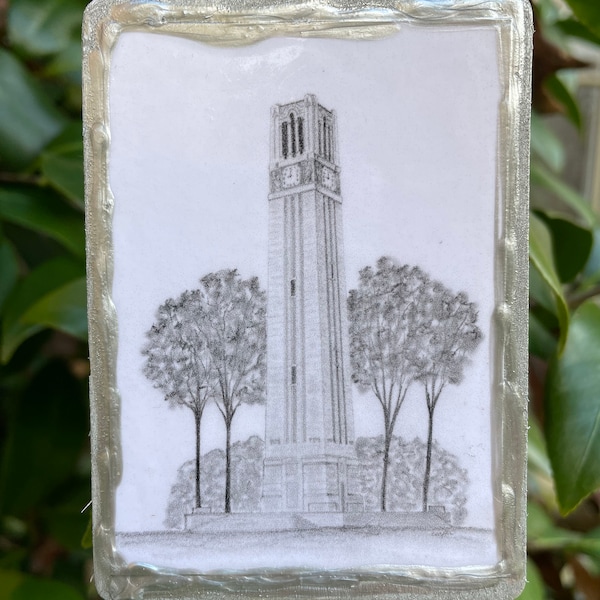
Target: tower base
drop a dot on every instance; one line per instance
(290, 521)
(311, 484)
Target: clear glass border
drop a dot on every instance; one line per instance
(239, 22)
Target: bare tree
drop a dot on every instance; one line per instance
(178, 363)
(384, 319)
(448, 336)
(233, 321)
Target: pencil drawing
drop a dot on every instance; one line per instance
(300, 348)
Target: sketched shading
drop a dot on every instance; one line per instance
(299, 348)
(178, 363)
(246, 482)
(209, 345)
(310, 463)
(407, 464)
(448, 336)
(404, 328)
(385, 320)
(406, 472)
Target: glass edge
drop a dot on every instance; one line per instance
(247, 21)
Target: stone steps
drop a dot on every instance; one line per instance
(257, 522)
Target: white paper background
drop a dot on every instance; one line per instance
(417, 119)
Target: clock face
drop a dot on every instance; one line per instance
(328, 178)
(291, 176)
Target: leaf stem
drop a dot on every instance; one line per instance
(7, 177)
(577, 299)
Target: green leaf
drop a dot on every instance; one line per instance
(44, 212)
(588, 12)
(543, 534)
(54, 280)
(63, 309)
(534, 588)
(538, 522)
(541, 294)
(9, 269)
(46, 437)
(67, 62)
(87, 541)
(65, 521)
(14, 529)
(575, 28)
(540, 254)
(537, 453)
(541, 342)
(32, 248)
(9, 581)
(67, 528)
(45, 589)
(542, 176)
(546, 144)
(548, 13)
(590, 544)
(572, 245)
(62, 164)
(561, 92)
(42, 28)
(592, 268)
(28, 119)
(572, 424)
(540, 482)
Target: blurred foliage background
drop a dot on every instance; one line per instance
(45, 545)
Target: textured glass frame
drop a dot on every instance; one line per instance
(246, 21)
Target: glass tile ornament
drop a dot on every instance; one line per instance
(307, 268)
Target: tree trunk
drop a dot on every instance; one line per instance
(198, 418)
(386, 460)
(428, 462)
(228, 467)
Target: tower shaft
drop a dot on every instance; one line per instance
(310, 461)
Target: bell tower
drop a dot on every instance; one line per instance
(310, 463)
